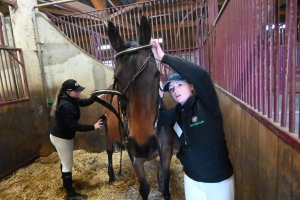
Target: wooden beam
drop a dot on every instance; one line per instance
(99, 4)
(77, 7)
(10, 2)
(4, 8)
(55, 11)
(116, 2)
(141, 1)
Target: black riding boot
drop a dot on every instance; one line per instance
(71, 193)
(62, 172)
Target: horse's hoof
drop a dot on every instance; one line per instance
(168, 197)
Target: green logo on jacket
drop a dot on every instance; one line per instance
(197, 123)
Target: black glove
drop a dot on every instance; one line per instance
(93, 97)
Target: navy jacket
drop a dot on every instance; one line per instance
(67, 115)
(203, 151)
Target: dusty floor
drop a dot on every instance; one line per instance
(41, 180)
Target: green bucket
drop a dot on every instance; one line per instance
(50, 102)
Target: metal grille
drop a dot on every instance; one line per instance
(256, 57)
(174, 22)
(13, 82)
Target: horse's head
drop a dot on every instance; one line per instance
(137, 75)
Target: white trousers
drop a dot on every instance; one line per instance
(64, 149)
(223, 190)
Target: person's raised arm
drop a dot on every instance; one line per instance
(194, 74)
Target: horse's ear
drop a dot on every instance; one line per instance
(115, 39)
(145, 31)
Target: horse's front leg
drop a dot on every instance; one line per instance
(163, 173)
(109, 151)
(167, 156)
(140, 173)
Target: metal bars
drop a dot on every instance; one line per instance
(255, 54)
(174, 22)
(13, 81)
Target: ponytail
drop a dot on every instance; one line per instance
(55, 104)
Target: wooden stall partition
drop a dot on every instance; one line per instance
(296, 175)
(238, 139)
(226, 107)
(265, 166)
(285, 167)
(249, 162)
(271, 166)
(253, 132)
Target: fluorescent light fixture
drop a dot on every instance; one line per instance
(267, 27)
(282, 26)
(103, 47)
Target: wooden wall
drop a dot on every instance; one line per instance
(265, 166)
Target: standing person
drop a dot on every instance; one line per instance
(66, 110)
(197, 121)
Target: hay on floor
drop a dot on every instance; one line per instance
(42, 179)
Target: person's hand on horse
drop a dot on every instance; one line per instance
(161, 92)
(98, 124)
(156, 49)
(101, 96)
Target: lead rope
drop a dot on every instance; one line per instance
(160, 150)
(121, 139)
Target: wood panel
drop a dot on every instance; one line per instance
(265, 166)
(248, 150)
(262, 148)
(271, 165)
(254, 145)
(285, 156)
(228, 117)
(238, 151)
(296, 176)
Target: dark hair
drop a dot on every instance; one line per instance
(193, 91)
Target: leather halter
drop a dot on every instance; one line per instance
(141, 69)
(115, 91)
(124, 125)
(132, 49)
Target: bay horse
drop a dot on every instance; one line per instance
(136, 78)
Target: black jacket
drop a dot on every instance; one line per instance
(203, 152)
(67, 115)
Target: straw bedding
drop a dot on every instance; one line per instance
(42, 179)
